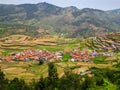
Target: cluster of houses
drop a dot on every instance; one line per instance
(82, 56)
(31, 54)
(49, 56)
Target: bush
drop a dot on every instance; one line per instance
(41, 62)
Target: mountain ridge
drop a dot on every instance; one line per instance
(69, 21)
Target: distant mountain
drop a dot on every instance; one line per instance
(1, 4)
(6, 4)
(116, 11)
(69, 21)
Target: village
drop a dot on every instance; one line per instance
(50, 56)
(82, 56)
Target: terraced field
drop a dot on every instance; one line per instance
(110, 42)
(16, 43)
(31, 70)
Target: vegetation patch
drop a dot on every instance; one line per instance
(99, 60)
(66, 57)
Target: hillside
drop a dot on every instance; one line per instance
(70, 21)
(15, 47)
(106, 43)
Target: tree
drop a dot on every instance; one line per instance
(3, 81)
(42, 84)
(52, 74)
(50, 82)
(87, 83)
(70, 81)
(17, 84)
(41, 62)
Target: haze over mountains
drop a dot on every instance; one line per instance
(44, 18)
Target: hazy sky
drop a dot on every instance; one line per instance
(97, 4)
